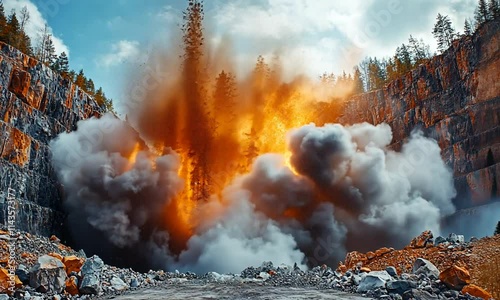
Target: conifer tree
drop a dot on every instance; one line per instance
(443, 32)
(467, 27)
(481, 14)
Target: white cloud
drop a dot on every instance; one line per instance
(169, 14)
(322, 32)
(121, 51)
(35, 24)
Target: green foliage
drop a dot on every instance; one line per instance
(443, 32)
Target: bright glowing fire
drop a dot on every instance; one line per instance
(219, 124)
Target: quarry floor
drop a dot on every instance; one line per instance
(232, 291)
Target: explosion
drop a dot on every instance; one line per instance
(215, 173)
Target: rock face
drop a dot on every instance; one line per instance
(455, 98)
(36, 105)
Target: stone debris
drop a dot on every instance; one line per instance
(49, 270)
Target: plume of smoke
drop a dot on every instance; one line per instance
(107, 193)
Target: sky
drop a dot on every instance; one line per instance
(108, 39)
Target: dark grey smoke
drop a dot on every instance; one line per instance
(346, 190)
(106, 195)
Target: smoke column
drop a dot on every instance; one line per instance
(216, 173)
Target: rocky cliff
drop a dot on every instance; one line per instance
(36, 105)
(455, 98)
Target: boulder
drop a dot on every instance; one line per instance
(91, 273)
(373, 280)
(455, 238)
(419, 294)
(383, 251)
(117, 284)
(400, 286)
(392, 271)
(476, 291)
(422, 240)
(423, 266)
(439, 240)
(455, 277)
(72, 286)
(73, 264)
(23, 273)
(48, 275)
(6, 282)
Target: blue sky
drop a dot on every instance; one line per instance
(108, 38)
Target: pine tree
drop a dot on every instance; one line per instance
(90, 87)
(493, 9)
(481, 14)
(63, 65)
(80, 80)
(497, 230)
(100, 97)
(403, 64)
(358, 81)
(467, 27)
(49, 51)
(3, 24)
(13, 30)
(443, 32)
(224, 96)
(419, 51)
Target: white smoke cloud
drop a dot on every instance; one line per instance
(346, 189)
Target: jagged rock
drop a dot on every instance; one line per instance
(455, 238)
(23, 273)
(476, 291)
(91, 273)
(391, 271)
(118, 284)
(439, 240)
(72, 285)
(5, 282)
(373, 280)
(48, 275)
(418, 294)
(400, 286)
(423, 266)
(353, 258)
(4, 297)
(383, 251)
(454, 98)
(73, 264)
(455, 277)
(422, 240)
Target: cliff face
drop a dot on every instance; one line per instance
(455, 98)
(35, 106)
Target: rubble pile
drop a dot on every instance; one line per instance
(46, 269)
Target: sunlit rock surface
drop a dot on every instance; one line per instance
(455, 98)
(35, 106)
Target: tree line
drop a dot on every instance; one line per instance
(373, 73)
(13, 32)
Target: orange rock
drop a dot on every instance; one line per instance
(72, 263)
(3, 232)
(353, 258)
(422, 240)
(383, 251)
(341, 268)
(54, 238)
(476, 291)
(370, 255)
(5, 282)
(20, 83)
(56, 255)
(271, 272)
(72, 286)
(455, 277)
(365, 270)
